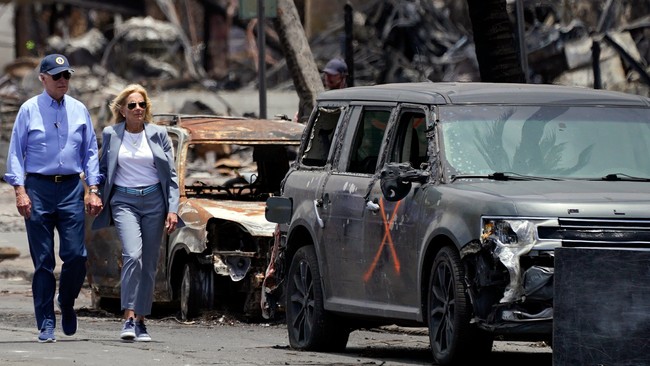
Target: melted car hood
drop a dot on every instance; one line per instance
(248, 214)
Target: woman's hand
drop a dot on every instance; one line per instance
(171, 222)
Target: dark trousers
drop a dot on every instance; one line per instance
(61, 206)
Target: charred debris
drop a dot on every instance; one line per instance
(203, 45)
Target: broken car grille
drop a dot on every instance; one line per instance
(599, 233)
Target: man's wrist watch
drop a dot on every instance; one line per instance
(94, 191)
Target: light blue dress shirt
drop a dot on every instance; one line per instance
(51, 138)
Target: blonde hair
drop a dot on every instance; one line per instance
(118, 102)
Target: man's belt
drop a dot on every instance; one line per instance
(140, 191)
(55, 178)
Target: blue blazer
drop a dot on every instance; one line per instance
(163, 158)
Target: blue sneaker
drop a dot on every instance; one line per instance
(47, 332)
(141, 334)
(68, 318)
(128, 330)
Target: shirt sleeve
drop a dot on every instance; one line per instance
(90, 161)
(15, 174)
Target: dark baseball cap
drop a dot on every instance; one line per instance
(54, 64)
(336, 66)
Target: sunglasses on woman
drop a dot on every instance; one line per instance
(66, 75)
(132, 105)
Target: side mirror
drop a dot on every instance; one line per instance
(278, 210)
(396, 179)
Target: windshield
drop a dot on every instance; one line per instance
(557, 141)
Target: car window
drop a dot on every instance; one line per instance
(213, 164)
(234, 171)
(411, 143)
(272, 165)
(321, 136)
(367, 141)
(549, 141)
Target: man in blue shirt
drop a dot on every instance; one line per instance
(52, 143)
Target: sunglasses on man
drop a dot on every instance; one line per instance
(132, 105)
(66, 75)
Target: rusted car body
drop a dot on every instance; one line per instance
(227, 168)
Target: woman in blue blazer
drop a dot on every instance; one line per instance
(139, 190)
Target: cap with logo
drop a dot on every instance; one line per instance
(54, 64)
(336, 66)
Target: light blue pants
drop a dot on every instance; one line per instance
(139, 221)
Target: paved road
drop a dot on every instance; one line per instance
(214, 339)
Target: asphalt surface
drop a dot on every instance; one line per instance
(214, 339)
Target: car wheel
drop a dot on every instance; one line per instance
(190, 298)
(453, 339)
(309, 326)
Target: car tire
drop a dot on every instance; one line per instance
(453, 339)
(310, 327)
(190, 296)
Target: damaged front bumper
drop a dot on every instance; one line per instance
(510, 275)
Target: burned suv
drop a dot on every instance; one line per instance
(227, 167)
(441, 205)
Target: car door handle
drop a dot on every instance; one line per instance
(318, 219)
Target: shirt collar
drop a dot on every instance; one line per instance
(52, 102)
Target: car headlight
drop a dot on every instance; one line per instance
(517, 232)
(509, 239)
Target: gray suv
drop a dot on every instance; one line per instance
(441, 205)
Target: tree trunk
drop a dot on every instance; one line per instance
(494, 40)
(300, 60)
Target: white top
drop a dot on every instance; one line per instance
(135, 166)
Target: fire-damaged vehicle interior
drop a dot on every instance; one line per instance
(441, 205)
(227, 167)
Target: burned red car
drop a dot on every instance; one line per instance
(227, 167)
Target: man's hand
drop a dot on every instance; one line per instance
(23, 203)
(94, 203)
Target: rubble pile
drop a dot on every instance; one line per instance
(394, 41)
(403, 41)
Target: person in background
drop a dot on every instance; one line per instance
(53, 141)
(335, 74)
(139, 189)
